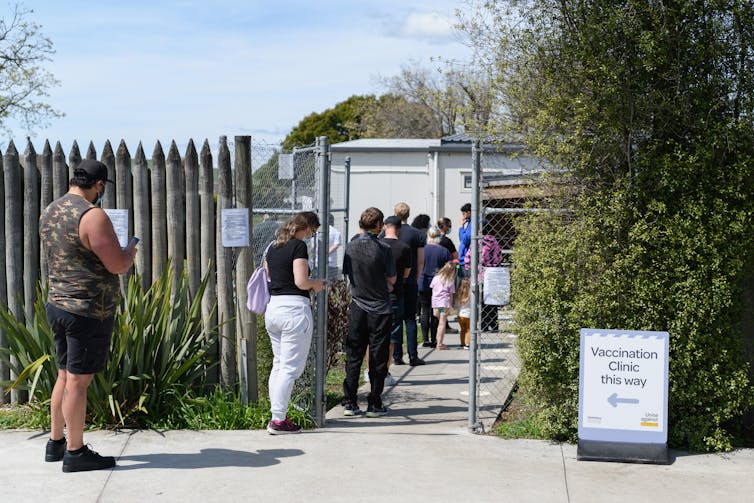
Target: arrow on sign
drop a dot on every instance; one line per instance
(614, 400)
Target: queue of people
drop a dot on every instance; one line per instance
(394, 271)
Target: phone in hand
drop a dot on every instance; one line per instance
(134, 241)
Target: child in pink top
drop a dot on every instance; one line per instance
(443, 287)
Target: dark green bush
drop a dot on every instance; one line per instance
(673, 258)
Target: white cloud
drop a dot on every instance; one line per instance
(427, 25)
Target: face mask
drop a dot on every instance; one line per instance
(98, 201)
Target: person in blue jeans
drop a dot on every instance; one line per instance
(415, 239)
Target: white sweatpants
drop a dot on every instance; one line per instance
(289, 323)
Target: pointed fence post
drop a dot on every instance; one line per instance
(123, 197)
(159, 213)
(45, 197)
(208, 251)
(124, 183)
(4, 369)
(225, 308)
(142, 227)
(193, 218)
(44, 164)
(110, 199)
(14, 242)
(246, 324)
(91, 152)
(74, 159)
(60, 177)
(176, 212)
(31, 230)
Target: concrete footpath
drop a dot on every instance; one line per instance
(420, 452)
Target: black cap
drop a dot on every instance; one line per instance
(466, 207)
(92, 170)
(394, 221)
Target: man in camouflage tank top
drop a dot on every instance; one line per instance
(84, 258)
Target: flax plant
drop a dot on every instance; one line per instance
(159, 352)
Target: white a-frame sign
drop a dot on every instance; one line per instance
(623, 396)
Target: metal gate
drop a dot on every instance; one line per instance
(500, 196)
(285, 184)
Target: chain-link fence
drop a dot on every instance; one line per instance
(286, 183)
(503, 195)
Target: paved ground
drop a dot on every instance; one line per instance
(421, 452)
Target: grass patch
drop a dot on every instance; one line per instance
(518, 420)
(334, 383)
(24, 417)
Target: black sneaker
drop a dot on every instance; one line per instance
(85, 460)
(351, 409)
(54, 450)
(426, 344)
(414, 362)
(376, 410)
(398, 361)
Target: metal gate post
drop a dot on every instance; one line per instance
(347, 167)
(320, 337)
(474, 284)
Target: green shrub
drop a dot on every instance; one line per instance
(673, 259)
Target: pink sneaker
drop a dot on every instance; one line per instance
(283, 427)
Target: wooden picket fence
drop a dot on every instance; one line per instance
(174, 207)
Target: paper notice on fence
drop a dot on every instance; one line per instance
(235, 227)
(497, 286)
(119, 218)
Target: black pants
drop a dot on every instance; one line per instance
(489, 318)
(373, 330)
(427, 319)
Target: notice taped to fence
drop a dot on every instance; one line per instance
(497, 286)
(235, 227)
(119, 218)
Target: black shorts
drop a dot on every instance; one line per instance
(81, 343)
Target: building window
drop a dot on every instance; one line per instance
(466, 181)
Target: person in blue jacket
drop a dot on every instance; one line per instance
(464, 233)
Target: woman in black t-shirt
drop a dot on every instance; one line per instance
(288, 318)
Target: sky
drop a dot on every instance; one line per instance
(147, 70)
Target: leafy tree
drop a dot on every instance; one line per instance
(23, 80)
(648, 106)
(266, 181)
(453, 98)
(340, 123)
(394, 116)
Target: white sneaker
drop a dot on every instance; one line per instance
(366, 376)
(389, 380)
